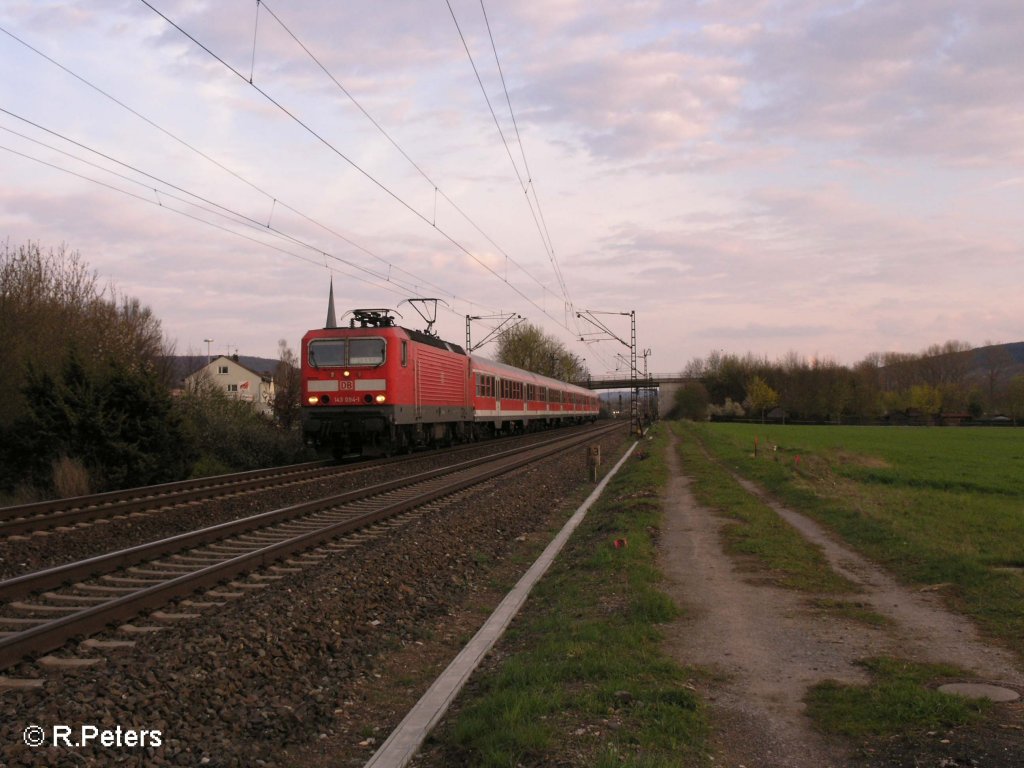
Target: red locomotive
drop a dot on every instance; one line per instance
(377, 388)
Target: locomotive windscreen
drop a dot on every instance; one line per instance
(366, 352)
(331, 353)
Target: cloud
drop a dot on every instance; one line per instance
(843, 177)
(933, 79)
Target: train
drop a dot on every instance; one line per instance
(376, 388)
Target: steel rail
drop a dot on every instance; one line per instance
(43, 515)
(52, 634)
(55, 512)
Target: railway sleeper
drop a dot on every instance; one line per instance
(174, 567)
(161, 575)
(228, 549)
(103, 588)
(206, 558)
(68, 664)
(19, 605)
(75, 598)
(106, 645)
(248, 585)
(304, 563)
(298, 528)
(20, 683)
(139, 629)
(20, 621)
(260, 540)
(203, 603)
(126, 580)
(169, 617)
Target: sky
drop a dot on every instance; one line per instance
(826, 178)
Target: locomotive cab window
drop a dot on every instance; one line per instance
(366, 352)
(335, 353)
(327, 353)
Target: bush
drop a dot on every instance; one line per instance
(230, 436)
(691, 402)
(116, 422)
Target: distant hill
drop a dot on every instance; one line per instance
(1009, 358)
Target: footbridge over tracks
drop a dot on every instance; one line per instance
(663, 386)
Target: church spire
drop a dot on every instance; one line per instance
(332, 322)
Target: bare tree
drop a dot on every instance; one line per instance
(287, 386)
(996, 360)
(527, 346)
(51, 303)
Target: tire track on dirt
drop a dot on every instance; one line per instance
(764, 646)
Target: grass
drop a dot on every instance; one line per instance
(896, 701)
(581, 676)
(935, 506)
(581, 679)
(774, 548)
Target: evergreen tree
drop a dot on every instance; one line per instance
(117, 420)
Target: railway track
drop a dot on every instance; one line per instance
(46, 608)
(29, 518)
(64, 514)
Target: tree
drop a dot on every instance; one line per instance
(995, 360)
(926, 398)
(287, 386)
(230, 435)
(835, 389)
(526, 346)
(51, 302)
(865, 395)
(761, 396)
(1015, 399)
(691, 402)
(118, 421)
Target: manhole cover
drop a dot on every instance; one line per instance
(981, 691)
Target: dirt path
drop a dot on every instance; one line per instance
(765, 646)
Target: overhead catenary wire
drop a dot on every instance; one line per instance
(210, 205)
(435, 186)
(159, 203)
(160, 196)
(528, 185)
(275, 200)
(366, 174)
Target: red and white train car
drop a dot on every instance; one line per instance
(376, 387)
(511, 399)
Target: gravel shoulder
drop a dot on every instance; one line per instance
(763, 646)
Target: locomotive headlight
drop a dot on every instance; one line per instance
(380, 398)
(346, 374)
(313, 400)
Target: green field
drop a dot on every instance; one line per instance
(942, 507)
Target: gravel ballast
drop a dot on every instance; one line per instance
(282, 676)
